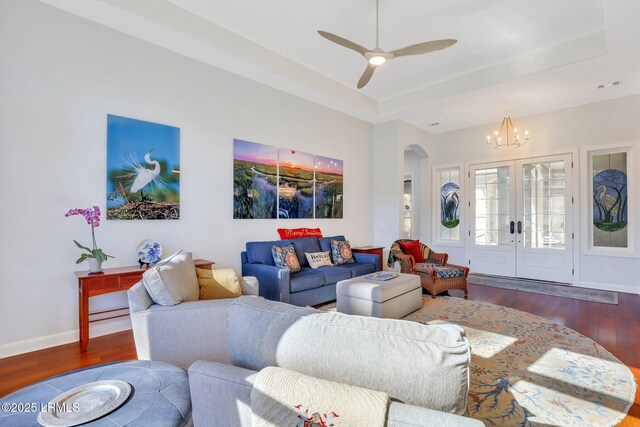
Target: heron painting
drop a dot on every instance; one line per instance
(143, 170)
(450, 205)
(610, 200)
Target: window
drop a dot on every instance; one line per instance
(609, 200)
(448, 209)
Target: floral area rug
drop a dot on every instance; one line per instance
(528, 371)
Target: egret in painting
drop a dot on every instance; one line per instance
(144, 176)
(607, 201)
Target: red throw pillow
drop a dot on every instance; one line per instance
(412, 248)
(297, 233)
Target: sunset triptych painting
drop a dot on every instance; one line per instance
(272, 182)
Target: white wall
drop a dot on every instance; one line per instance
(59, 78)
(388, 169)
(572, 130)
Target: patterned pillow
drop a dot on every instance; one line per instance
(285, 257)
(341, 252)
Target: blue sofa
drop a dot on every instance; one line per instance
(308, 286)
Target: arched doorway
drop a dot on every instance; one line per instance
(414, 209)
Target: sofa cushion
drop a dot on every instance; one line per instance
(449, 272)
(304, 245)
(424, 365)
(341, 252)
(260, 252)
(173, 280)
(412, 248)
(426, 265)
(277, 391)
(325, 242)
(218, 284)
(298, 233)
(357, 268)
(306, 279)
(285, 257)
(334, 275)
(318, 259)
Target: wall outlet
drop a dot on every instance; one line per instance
(609, 271)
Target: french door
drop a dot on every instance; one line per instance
(521, 218)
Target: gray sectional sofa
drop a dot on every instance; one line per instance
(227, 343)
(309, 286)
(425, 367)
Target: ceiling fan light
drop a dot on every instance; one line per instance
(377, 60)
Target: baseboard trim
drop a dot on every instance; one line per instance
(103, 328)
(603, 287)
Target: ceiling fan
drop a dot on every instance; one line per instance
(378, 56)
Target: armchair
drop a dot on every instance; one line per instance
(408, 262)
(436, 276)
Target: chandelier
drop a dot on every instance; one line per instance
(511, 138)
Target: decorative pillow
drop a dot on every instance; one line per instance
(412, 248)
(297, 233)
(173, 280)
(318, 259)
(285, 257)
(341, 252)
(218, 284)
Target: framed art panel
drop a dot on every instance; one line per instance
(255, 180)
(143, 170)
(329, 186)
(295, 184)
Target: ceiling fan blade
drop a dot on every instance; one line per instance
(425, 47)
(366, 76)
(343, 42)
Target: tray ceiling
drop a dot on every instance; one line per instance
(519, 55)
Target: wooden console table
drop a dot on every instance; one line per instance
(376, 250)
(110, 280)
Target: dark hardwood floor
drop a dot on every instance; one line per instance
(616, 327)
(19, 371)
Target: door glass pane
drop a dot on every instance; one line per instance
(492, 206)
(544, 211)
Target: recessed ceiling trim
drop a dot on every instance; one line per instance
(532, 83)
(573, 51)
(173, 28)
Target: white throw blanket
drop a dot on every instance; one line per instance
(283, 398)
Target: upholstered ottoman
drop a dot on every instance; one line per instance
(160, 395)
(394, 298)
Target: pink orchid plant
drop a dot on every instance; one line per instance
(92, 215)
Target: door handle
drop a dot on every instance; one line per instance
(519, 227)
(512, 227)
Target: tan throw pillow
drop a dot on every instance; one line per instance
(318, 259)
(218, 284)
